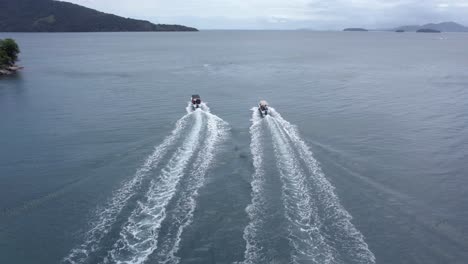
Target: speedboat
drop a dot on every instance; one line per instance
(196, 101)
(263, 108)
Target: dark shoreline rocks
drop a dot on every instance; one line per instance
(10, 70)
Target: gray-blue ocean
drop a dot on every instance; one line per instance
(363, 158)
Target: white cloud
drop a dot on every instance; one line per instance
(318, 14)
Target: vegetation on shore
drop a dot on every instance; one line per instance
(9, 51)
(58, 16)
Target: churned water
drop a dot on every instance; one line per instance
(363, 158)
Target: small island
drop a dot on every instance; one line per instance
(9, 51)
(399, 31)
(355, 29)
(428, 30)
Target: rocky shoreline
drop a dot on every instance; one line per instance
(10, 70)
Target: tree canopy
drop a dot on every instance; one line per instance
(61, 16)
(9, 51)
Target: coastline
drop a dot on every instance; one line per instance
(10, 70)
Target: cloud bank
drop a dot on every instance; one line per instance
(286, 14)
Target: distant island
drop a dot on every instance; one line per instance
(441, 27)
(399, 31)
(355, 29)
(427, 30)
(9, 51)
(56, 16)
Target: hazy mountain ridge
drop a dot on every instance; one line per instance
(444, 27)
(56, 16)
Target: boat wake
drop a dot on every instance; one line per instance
(319, 229)
(203, 106)
(155, 221)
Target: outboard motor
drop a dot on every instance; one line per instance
(196, 101)
(263, 108)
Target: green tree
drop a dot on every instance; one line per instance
(4, 60)
(9, 51)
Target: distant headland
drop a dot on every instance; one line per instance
(433, 28)
(427, 30)
(355, 29)
(56, 16)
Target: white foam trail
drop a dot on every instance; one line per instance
(205, 107)
(183, 214)
(304, 225)
(189, 108)
(253, 251)
(107, 214)
(351, 240)
(138, 239)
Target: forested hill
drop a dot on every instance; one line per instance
(56, 16)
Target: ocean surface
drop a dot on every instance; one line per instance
(363, 158)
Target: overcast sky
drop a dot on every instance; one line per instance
(286, 14)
